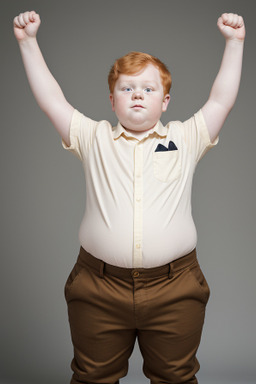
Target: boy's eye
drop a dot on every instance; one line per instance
(148, 89)
(127, 89)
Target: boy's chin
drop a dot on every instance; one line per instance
(138, 126)
(137, 130)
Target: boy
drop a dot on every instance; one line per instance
(137, 273)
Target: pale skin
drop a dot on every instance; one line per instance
(137, 100)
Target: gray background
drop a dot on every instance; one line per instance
(43, 187)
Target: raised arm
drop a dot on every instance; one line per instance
(225, 87)
(45, 88)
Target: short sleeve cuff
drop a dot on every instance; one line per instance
(74, 129)
(202, 128)
(74, 134)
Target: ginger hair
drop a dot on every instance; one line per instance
(134, 62)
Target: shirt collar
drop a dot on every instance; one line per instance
(119, 131)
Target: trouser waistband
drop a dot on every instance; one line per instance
(101, 267)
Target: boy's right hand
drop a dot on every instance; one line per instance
(26, 25)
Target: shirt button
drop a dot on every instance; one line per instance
(138, 199)
(137, 245)
(136, 274)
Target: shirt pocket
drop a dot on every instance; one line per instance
(166, 165)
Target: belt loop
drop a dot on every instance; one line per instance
(102, 265)
(170, 275)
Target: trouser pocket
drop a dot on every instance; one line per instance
(72, 278)
(200, 280)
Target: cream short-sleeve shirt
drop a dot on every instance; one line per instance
(138, 199)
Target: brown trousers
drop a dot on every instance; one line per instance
(109, 306)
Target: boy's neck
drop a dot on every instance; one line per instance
(140, 134)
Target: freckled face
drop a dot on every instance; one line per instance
(138, 100)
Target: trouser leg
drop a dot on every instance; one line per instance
(170, 335)
(101, 323)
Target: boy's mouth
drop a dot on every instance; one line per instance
(138, 106)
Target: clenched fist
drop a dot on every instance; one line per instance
(231, 26)
(26, 25)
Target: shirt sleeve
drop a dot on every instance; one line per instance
(196, 136)
(81, 133)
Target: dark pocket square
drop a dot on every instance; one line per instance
(171, 147)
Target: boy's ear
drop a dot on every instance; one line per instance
(166, 101)
(111, 97)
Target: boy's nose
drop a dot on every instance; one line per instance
(137, 95)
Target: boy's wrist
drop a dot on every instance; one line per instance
(27, 41)
(235, 42)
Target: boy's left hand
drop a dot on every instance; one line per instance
(231, 26)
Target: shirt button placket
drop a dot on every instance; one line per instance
(138, 205)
